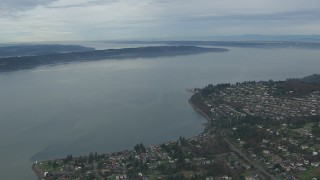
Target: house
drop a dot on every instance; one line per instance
(315, 164)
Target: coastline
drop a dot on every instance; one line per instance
(40, 174)
(37, 171)
(231, 146)
(200, 111)
(219, 138)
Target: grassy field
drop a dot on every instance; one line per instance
(46, 166)
(310, 173)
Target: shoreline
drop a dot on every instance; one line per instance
(200, 111)
(37, 171)
(40, 174)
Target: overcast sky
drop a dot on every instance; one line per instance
(58, 20)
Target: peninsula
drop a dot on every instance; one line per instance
(28, 62)
(255, 130)
(238, 44)
(40, 49)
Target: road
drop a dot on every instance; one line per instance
(254, 164)
(96, 173)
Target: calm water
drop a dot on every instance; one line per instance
(107, 106)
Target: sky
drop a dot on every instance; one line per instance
(91, 20)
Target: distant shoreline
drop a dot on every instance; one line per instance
(29, 62)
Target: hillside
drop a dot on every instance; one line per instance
(315, 78)
(34, 50)
(27, 62)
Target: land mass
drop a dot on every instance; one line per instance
(27, 62)
(241, 44)
(255, 130)
(35, 50)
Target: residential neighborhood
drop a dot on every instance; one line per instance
(255, 130)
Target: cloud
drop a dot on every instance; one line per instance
(135, 19)
(13, 6)
(80, 3)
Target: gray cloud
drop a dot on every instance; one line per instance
(296, 15)
(11, 7)
(128, 19)
(84, 4)
(23, 4)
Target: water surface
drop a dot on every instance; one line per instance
(106, 106)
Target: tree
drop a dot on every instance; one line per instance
(140, 148)
(91, 158)
(54, 164)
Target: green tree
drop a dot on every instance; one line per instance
(91, 158)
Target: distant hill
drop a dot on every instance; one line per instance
(26, 62)
(258, 37)
(241, 44)
(34, 50)
(315, 78)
